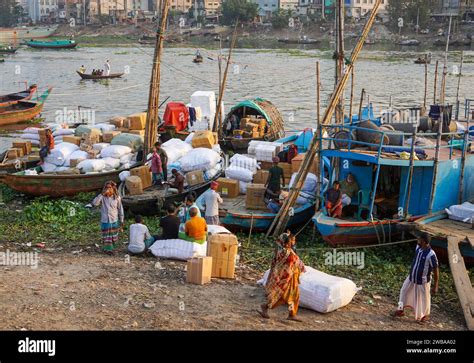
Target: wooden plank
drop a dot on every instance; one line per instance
(461, 280)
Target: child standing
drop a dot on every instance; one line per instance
(156, 167)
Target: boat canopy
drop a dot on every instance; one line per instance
(176, 114)
(255, 104)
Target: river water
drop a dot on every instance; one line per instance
(285, 77)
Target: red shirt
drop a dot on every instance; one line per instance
(50, 141)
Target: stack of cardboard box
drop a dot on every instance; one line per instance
(228, 188)
(260, 177)
(255, 197)
(287, 171)
(24, 145)
(298, 160)
(222, 247)
(109, 135)
(195, 177)
(134, 185)
(143, 172)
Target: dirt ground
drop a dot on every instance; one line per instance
(90, 291)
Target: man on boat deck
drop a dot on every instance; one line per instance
(177, 186)
(196, 228)
(189, 202)
(107, 68)
(275, 174)
(212, 199)
(156, 168)
(334, 201)
(82, 69)
(349, 189)
(415, 292)
(164, 159)
(49, 145)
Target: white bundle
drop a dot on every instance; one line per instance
(461, 212)
(62, 168)
(178, 249)
(238, 173)
(243, 187)
(115, 151)
(48, 167)
(199, 159)
(126, 159)
(243, 161)
(78, 154)
(111, 163)
(199, 126)
(322, 292)
(91, 165)
(254, 143)
(217, 148)
(105, 127)
(266, 152)
(31, 130)
(211, 173)
(176, 149)
(189, 138)
(60, 153)
(62, 132)
(310, 183)
(31, 172)
(124, 175)
(100, 146)
(30, 136)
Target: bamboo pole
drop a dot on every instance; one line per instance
(318, 130)
(352, 95)
(459, 84)
(318, 93)
(340, 59)
(445, 66)
(426, 85)
(224, 80)
(435, 82)
(281, 220)
(410, 175)
(435, 166)
(154, 93)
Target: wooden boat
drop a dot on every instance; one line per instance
(58, 185)
(91, 76)
(409, 42)
(7, 35)
(23, 111)
(54, 44)
(12, 166)
(12, 98)
(422, 61)
(153, 199)
(7, 50)
(440, 227)
(299, 41)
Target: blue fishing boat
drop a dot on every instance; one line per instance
(54, 44)
(393, 187)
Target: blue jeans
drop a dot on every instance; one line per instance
(274, 207)
(157, 177)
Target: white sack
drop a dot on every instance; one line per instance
(62, 132)
(105, 127)
(30, 136)
(243, 161)
(199, 159)
(238, 173)
(60, 153)
(176, 149)
(115, 151)
(78, 154)
(48, 167)
(111, 163)
(463, 212)
(310, 183)
(125, 159)
(189, 138)
(124, 175)
(178, 249)
(100, 146)
(91, 165)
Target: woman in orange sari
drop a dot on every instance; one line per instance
(284, 278)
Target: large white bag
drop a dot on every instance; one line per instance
(91, 165)
(115, 151)
(111, 163)
(252, 148)
(60, 153)
(176, 149)
(62, 132)
(124, 175)
(322, 292)
(126, 159)
(189, 138)
(100, 146)
(30, 136)
(238, 173)
(178, 249)
(105, 127)
(461, 212)
(199, 159)
(48, 167)
(78, 154)
(310, 183)
(243, 161)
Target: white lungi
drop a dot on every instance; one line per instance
(417, 297)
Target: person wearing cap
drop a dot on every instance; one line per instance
(275, 174)
(349, 189)
(211, 201)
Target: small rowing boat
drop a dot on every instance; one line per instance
(12, 98)
(7, 49)
(23, 111)
(95, 76)
(54, 44)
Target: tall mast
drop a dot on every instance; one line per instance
(340, 58)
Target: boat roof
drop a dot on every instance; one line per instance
(254, 104)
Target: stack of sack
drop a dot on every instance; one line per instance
(243, 169)
(308, 191)
(264, 150)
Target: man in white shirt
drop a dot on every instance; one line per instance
(211, 201)
(107, 68)
(140, 238)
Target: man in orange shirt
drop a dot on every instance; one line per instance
(196, 228)
(46, 150)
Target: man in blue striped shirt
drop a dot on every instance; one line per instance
(415, 292)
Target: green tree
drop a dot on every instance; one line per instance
(280, 19)
(9, 13)
(410, 10)
(243, 10)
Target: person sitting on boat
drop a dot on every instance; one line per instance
(189, 202)
(94, 72)
(156, 168)
(111, 215)
(82, 70)
(140, 238)
(349, 189)
(164, 159)
(275, 174)
(195, 230)
(333, 201)
(107, 68)
(177, 186)
(49, 145)
(415, 292)
(169, 224)
(282, 285)
(211, 200)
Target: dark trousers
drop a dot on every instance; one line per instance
(165, 172)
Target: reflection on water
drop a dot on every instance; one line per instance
(286, 77)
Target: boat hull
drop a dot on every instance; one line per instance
(8, 35)
(440, 246)
(16, 117)
(38, 45)
(90, 76)
(14, 98)
(58, 185)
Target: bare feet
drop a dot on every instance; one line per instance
(294, 318)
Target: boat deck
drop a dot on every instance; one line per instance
(448, 227)
(153, 192)
(237, 205)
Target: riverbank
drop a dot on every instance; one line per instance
(77, 287)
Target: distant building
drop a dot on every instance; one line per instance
(310, 7)
(267, 7)
(360, 8)
(43, 10)
(181, 6)
(289, 5)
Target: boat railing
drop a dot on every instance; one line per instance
(379, 146)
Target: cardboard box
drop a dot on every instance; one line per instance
(223, 250)
(251, 126)
(134, 185)
(244, 121)
(109, 135)
(123, 129)
(117, 121)
(91, 138)
(228, 188)
(203, 139)
(85, 147)
(137, 121)
(216, 138)
(32, 157)
(255, 197)
(260, 177)
(298, 160)
(93, 153)
(24, 145)
(12, 153)
(76, 140)
(73, 162)
(195, 177)
(42, 136)
(138, 132)
(144, 173)
(199, 270)
(287, 169)
(238, 132)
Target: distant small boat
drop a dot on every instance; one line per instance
(23, 110)
(95, 76)
(7, 49)
(54, 44)
(409, 42)
(198, 59)
(422, 61)
(298, 41)
(12, 98)
(2, 60)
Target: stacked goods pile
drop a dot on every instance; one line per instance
(255, 197)
(253, 127)
(264, 151)
(243, 169)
